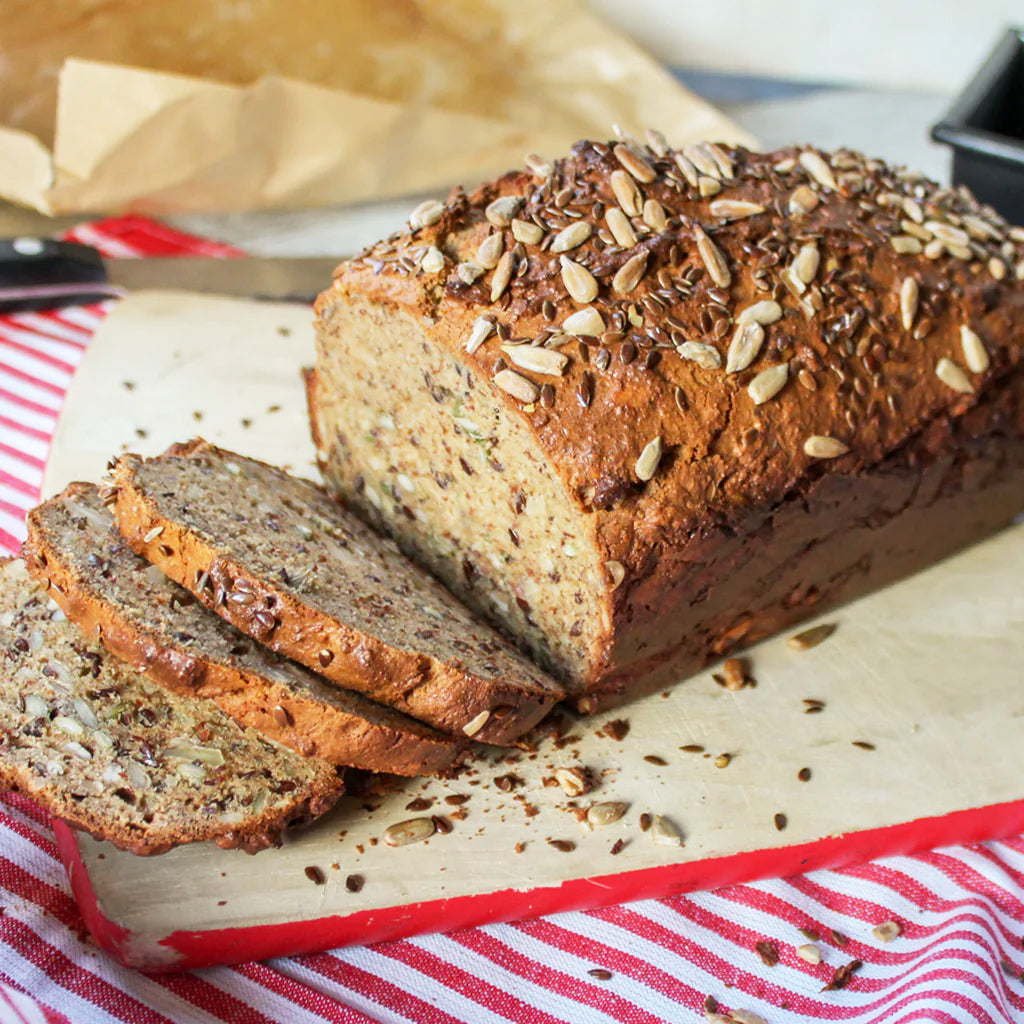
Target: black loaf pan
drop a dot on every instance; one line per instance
(985, 127)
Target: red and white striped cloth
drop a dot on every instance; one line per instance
(959, 957)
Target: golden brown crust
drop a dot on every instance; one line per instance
(911, 294)
(440, 694)
(289, 715)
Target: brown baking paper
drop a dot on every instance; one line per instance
(172, 105)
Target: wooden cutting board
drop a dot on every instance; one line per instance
(916, 744)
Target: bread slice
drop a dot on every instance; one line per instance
(99, 745)
(281, 560)
(139, 614)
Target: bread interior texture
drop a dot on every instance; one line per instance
(437, 463)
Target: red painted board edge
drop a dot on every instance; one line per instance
(193, 949)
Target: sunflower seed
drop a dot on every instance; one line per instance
(910, 294)
(935, 249)
(713, 1017)
(536, 359)
(85, 713)
(579, 282)
(906, 245)
(809, 952)
(415, 830)
(687, 169)
(712, 257)
(654, 215)
(806, 263)
(626, 193)
(951, 375)
(538, 166)
(427, 214)
(152, 535)
(981, 229)
(702, 160)
(917, 230)
(734, 209)
(886, 931)
(817, 167)
(433, 260)
(526, 231)
(572, 236)
(616, 574)
(211, 756)
(605, 813)
(747, 1017)
(637, 166)
(720, 157)
(768, 383)
(791, 282)
(66, 724)
(745, 345)
(960, 252)
(469, 273)
(803, 200)
(664, 833)
(657, 141)
(708, 187)
(490, 250)
(573, 781)
(518, 386)
(502, 275)
(35, 706)
(479, 333)
(647, 463)
(705, 356)
(997, 268)
(975, 353)
(821, 446)
(584, 322)
(811, 637)
(475, 724)
(765, 313)
(629, 275)
(618, 224)
(502, 210)
(947, 233)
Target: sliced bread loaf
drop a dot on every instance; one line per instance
(141, 615)
(99, 745)
(281, 560)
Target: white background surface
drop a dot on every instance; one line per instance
(925, 45)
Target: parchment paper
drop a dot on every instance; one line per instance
(172, 105)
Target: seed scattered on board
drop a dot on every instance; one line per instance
(415, 830)
(809, 638)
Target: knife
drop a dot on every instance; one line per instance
(42, 273)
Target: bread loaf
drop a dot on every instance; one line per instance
(99, 745)
(148, 620)
(282, 561)
(640, 407)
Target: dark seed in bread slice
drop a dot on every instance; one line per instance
(96, 743)
(141, 615)
(281, 560)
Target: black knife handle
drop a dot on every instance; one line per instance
(42, 273)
